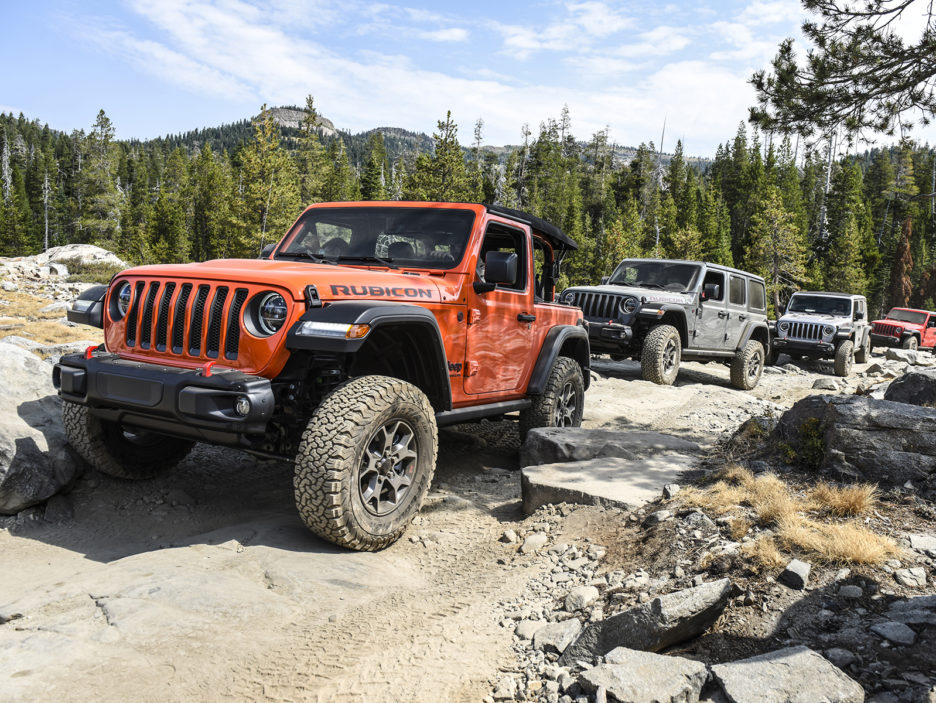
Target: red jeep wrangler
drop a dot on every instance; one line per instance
(341, 349)
(905, 328)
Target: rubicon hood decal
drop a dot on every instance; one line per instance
(349, 291)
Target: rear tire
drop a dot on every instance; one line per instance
(910, 343)
(844, 358)
(365, 462)
(863, 354)
(747, 366)
(117, 451)
(662, 352)
(562, 403)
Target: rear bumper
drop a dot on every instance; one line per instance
(166, 399)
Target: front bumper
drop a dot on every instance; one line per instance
(177, 401)
(885, 340)
(803, 347)
(609, 336)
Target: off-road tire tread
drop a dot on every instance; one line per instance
(651, 356)
(326, 456)
(844, 358)
(739, 364)
(540, 413)
(910, 343)
(111, 454)
(863, 354)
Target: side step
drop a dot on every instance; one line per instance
(476, 412)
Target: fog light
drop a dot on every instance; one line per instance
(242, 406)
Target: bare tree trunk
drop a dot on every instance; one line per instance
(45, 208)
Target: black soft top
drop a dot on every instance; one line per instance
(556, 236)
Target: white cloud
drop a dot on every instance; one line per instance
(659, 41)
(597, 19)
(576, 32)
(761, 12)
(453, 34)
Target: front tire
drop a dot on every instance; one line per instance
(910, 343)
(365, 462)
(863, 354)
(662, 351)
(562, 403)
(117, 451)
(747, 366)
(844, 358)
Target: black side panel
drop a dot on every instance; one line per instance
(575, 342)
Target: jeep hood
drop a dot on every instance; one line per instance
(651, 295)
(817, 319)
(331, 282)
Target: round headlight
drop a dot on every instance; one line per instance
(828, 330)
(784, 327)
(568, 297)
(629, 305)
(271, 313)
(123, 298)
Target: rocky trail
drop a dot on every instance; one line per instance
(204, 585)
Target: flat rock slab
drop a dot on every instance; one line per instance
(655, 625)
(792, 675)
(556, 636)
(621, 483)
(553, 445)
(630, 676)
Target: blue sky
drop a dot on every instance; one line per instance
(165, 66)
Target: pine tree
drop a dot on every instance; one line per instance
(211, 214)
(310, 157)
(900, 287)
(848, 231)
(169, 239)
(103, 201)
(373, 179)
(777, 251)
(341, 183)
(443, 175)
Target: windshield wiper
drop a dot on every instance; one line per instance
(370, 259)
(317, 258)
(641, 284)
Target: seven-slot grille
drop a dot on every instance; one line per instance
(198, 320)
(810, 331)
(598, 306)
(887, 330)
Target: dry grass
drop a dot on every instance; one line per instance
(19, 315)
(836, 542)
(845, 501)
(795, 517)
(764, 553)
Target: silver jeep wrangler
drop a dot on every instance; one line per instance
(825, 326)
(662, 311)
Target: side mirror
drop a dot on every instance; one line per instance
(711, 290)
(859, 315)
(605, 279)
(267, 250)
(500, 267)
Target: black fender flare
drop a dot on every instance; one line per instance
(671, 311)
(749, 331)
(88, 307)
(376, 314)
(570, 337)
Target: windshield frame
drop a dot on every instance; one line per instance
(830, 298)
(662, 264)
(922, 321)
(360, 230)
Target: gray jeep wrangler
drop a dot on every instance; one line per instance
(825, 326)
(661, 311)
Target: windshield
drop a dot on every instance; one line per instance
(820, 305)
(660, 275)
(397, 236)
(916, 318)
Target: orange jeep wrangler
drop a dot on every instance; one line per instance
(342, 349)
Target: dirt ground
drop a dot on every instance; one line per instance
(204, 585)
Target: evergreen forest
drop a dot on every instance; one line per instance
(804, 218)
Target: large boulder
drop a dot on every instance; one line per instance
(553, 445)
(655, 625)
(35, 459)
(915, 388)
(879, 441)
(83, 253)
(630, 676)
(794, 675)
